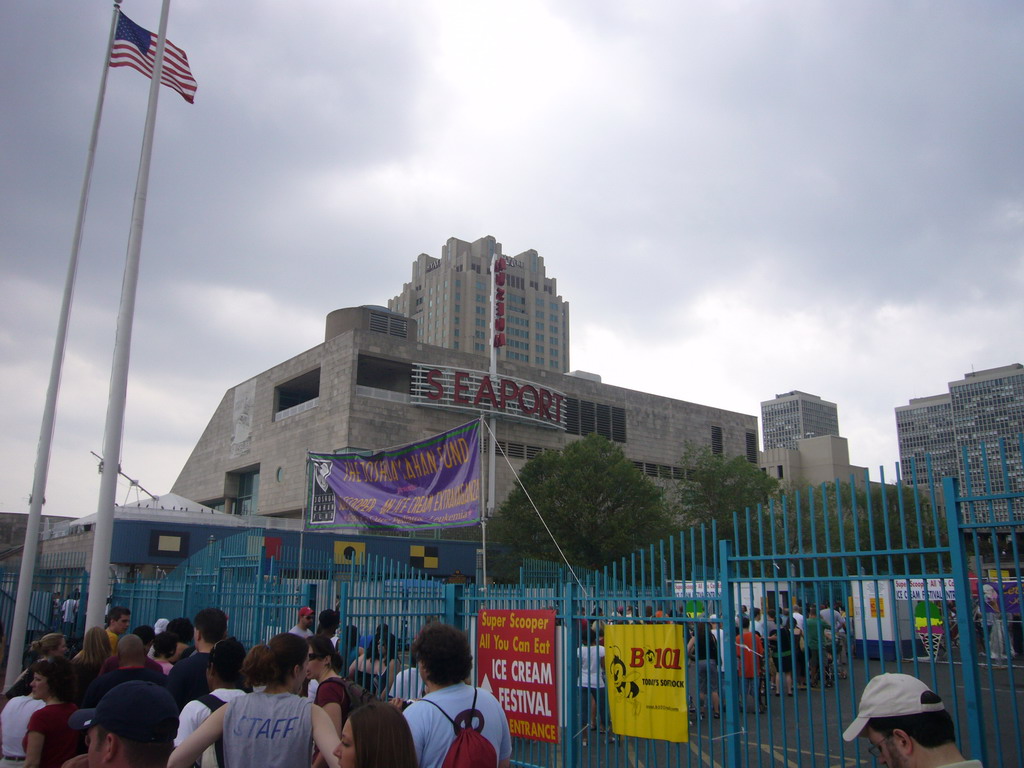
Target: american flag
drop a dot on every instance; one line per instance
(135, 47)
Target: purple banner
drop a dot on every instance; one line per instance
(434, 483)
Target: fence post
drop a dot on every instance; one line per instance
(451, 613)
(730, 699)
(309, 595)
(571, 700)
(964, 620)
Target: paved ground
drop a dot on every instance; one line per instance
(806, 729)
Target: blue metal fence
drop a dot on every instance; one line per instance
(927, 572)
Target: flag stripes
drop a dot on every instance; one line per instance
(135, 47)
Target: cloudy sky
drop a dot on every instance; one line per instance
(737, 198)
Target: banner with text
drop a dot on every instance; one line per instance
(646, 669)
(515, 657)
(434, 483)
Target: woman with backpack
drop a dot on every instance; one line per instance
(272, 727)
(331, 694)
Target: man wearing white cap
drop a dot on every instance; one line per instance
(907, 725)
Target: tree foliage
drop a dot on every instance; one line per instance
(597, 505)
(715, 486)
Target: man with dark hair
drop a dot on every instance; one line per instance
(907, 725)
(187, 679)
(131, 656)
(327, 625)
(133, 727)
(117, 625)
(444, 660)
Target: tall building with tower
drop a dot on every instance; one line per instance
(449, 298)
(795, 416)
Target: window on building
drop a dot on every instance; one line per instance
(717, 445)
(583, 417)
(379, 373)
(246, 484)
(292, 395)
(752, 447)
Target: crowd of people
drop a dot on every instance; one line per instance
(185, 693)
(777, 651)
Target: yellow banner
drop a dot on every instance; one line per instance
(646, 669)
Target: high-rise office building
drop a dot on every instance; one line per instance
(796, 415)
(450, 300)
(924, 428)
(984, 408)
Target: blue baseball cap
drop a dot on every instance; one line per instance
(138, 710)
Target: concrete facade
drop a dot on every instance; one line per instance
(353, 393)
(814, 461)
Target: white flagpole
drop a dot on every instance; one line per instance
(492, 438)
(99, 572)
(19, 624)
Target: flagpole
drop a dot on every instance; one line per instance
(493, 437)
(99, 572)
(19, 624)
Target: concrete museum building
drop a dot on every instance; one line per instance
(373, 385)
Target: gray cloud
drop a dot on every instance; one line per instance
(736, 199)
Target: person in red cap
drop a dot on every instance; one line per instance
(302, 629)
(907, 725)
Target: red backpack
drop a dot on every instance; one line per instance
(470, 748)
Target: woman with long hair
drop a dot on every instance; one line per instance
(89, 660)
(47, 647)
(49, 742)
(376, 736)
(324, 670)
(272, 727)
(376, 669)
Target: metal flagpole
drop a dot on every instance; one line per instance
(99, 572)
(492, 441)
(19, 624)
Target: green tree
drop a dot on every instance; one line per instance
(715, 486)
(597, 505)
